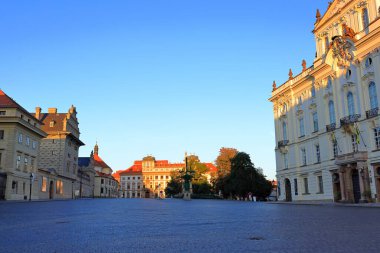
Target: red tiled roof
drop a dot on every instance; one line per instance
(98, 162)
(8, 102)
(211, 167)
(58, 119)
(101, 174)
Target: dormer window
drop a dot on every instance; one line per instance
(52, 123)
(368, 62)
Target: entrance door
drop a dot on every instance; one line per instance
(356, 186)
(51, 190)
(288, 190)
(147, 195)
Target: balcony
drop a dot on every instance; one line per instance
(372, 113)
(349, 119)
(283, 143)
(331, 127)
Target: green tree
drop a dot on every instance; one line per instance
(175, 184)
(223, 161)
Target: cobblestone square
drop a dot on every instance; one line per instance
(145, 225)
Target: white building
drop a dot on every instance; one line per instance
(326, 118)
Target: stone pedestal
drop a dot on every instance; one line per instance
(187, 195)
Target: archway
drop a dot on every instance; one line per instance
(288, 190)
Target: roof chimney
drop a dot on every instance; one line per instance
(52, 110)
(38, 113)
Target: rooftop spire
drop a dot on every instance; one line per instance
(96, 149)
(274, 85)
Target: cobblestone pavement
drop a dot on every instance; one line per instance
(144, 225)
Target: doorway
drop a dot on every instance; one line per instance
(51, 190)
(288, 190)
(147, 194)
(356, 186)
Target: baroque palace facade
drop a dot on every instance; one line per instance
(148, 178)
(327, 120)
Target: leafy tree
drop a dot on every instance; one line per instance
(223, 161)
(202, 188)
(175, 184)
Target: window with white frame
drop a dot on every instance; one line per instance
(318, 153)
(303, 156)
(27, 141)
(284, 131)
(332, 112)
(315, 121)
(372, 95)
(350, 103)
(377, 137)
(301, 126)
(19, 138)
(18, 161)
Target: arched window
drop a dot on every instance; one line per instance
(372, 95)
(350, 103)
(365, 18)
(284, 131)
(368, 62)
(332, 112)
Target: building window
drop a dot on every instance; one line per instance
(23, 188)
(318, 153)
(348, 74)
(335, 148)
(365, 18)
(350, 104)
(34, 144)
(306, 185)
(295, 187)
(14, 187)
(101, 190)
(377, 137)
(299, 100)
(27, 141)
(332, 112)
(20, 138)
(301, 126)
(51, 123)
(156, 177)
(44, 184)
(2, 113)
(329, 83)
(285, 157)
(59, 187)
(315, 121)
(313, 92)
(320, 184)
(284, 131)
(372, 95)
(26, 163)
(354, 141)
(102, 181)
(18, 161)
(303, 155)
(1, 134)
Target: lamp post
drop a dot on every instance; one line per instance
(30, 186)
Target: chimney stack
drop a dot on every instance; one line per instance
(52, 110)
(38, 113)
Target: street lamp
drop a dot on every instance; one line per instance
(30, 186)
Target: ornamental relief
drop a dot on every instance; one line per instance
(341, 52)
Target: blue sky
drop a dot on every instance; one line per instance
(158, 77)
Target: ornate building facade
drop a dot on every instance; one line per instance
(326, 118)
(148, 178)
